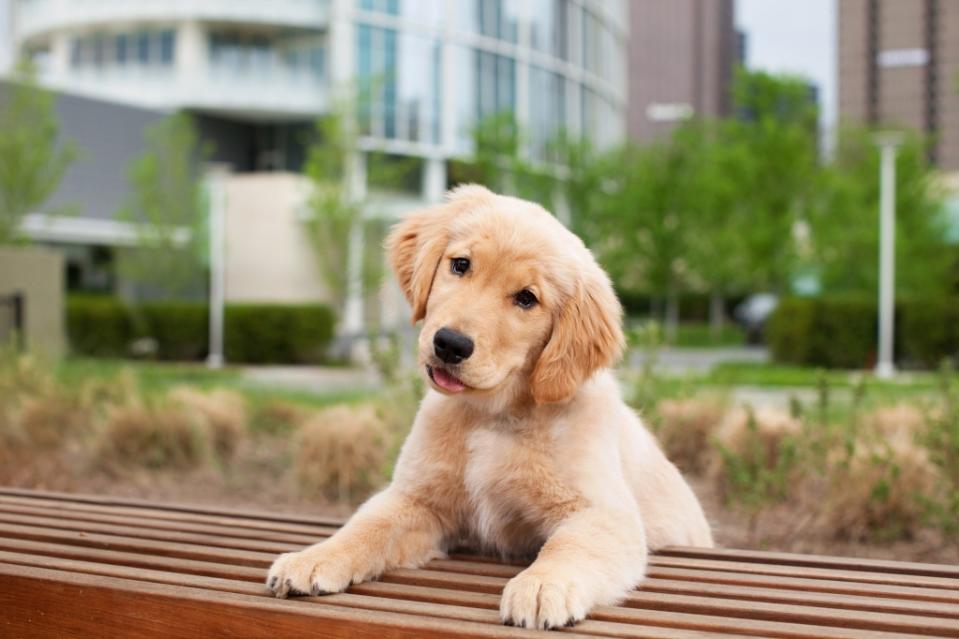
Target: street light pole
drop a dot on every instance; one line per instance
(885, 367)
(216, 190)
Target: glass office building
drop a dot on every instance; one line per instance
(425, 70)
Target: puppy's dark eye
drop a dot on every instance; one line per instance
(459, 265)
(525, 299)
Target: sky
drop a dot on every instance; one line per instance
(793, 36)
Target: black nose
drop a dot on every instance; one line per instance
(452, 347)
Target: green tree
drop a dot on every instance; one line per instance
(643, 220)
(499, 161)
(334, 212)
(844, 223)
(720, 213)
(32, 161)
(775, 172)
(167, 207)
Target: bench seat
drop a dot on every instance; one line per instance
(87, 566)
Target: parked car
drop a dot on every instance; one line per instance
(753, 313)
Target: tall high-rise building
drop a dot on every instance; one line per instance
(899, 66)
(681, 59)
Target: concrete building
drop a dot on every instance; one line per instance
(898, 66)
(258, 72)
(256, 75)
(682, 54)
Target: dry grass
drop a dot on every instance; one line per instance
(278, 417)
(896, 421)
(341, 452)
(152, 436)
(47, 422)
(875, 493)
(753, 451)
(684, 428)
(221, 412)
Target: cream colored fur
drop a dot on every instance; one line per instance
(539, 456)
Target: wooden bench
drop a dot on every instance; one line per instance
(83, 566)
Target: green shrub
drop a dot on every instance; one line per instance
(831, 332)
(276, 333)
(254, 333)
(841, 332)
(930, 331)
(181, 329)
(98, 326)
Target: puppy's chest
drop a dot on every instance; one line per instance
(517, 493)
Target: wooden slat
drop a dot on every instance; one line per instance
(612, 621)
(378, 600)
(236, 513)
(139, 546)
(70, 519)
(136, 514)
(39, 603)
(247, 557)
(223, 534)
(135, 559)
(819, 561)
(211, 553)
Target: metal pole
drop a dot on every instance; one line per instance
(885, 367)
(217, 199)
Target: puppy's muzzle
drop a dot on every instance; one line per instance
(452, 347)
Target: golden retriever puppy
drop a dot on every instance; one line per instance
(523, 445)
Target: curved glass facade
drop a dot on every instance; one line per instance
(426, 70)
(558, 65)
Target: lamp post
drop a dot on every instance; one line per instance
(888, 142)
(216, 190)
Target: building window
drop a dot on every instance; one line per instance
(495, 84)
(102, 50)
(429, 13)
(548, 27)
(492, 18)
(143, 47)
(398, 77)
(291, 54)
(547, 111)
(167, 39)
(120, 46)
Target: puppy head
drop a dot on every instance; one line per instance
(514, 304)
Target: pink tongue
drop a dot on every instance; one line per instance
(446, 381)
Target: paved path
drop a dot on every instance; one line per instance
(321, 380)
(699, 360)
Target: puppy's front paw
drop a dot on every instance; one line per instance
(539, 600)
(318, 570)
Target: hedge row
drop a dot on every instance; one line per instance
(253, 333)
(693, 307)
(841, 332)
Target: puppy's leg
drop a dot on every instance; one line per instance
(388, 531)
(594, 557)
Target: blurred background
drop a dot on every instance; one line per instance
(194, 303)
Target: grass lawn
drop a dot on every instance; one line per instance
(777, 375)
(699, 334)
(154, 378)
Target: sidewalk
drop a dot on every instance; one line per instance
(321, 380)
(699, 360)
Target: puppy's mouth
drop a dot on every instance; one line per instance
(445, 380)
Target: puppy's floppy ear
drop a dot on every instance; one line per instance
(415, 245)
(587, 335)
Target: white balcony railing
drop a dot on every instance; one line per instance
(274, 93)
(41, 16)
